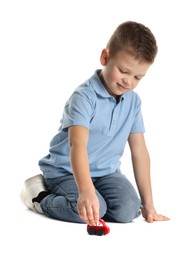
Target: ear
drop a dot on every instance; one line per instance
(104, 57)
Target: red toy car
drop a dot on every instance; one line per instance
(100, 229)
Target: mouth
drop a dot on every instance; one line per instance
(122, 87)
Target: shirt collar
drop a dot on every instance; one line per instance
(99, 87)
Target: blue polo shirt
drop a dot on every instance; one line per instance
(109, 122)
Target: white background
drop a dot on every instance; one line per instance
(47, 48)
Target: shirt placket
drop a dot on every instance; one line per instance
(114, 119)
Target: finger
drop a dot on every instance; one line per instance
(162, 218)
(90, 217)
(96, 214)
(82, 214)
(166, 218)
(150, 218)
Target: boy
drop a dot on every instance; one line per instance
(81, 179)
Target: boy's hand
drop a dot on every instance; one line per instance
(151, 215)
(88, 208)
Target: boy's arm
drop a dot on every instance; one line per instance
(141, 166)
(88, 205)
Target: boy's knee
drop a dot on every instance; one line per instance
(125, 213)
(103, 206)
(131, 212)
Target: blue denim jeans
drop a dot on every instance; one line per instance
(118, 199)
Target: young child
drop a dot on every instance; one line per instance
(82, 180)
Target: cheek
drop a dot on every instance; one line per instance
(135, 83)
(112, 76)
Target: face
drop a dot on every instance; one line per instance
(121, 73)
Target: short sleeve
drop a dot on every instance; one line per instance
(78, 110)
(138, 124)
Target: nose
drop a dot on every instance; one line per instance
(128, 82)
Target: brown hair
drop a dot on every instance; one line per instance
(135, 39)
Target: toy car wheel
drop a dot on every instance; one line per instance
(91, 231)
(100, 232)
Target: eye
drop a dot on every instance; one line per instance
(138, 77)
(122, 71)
